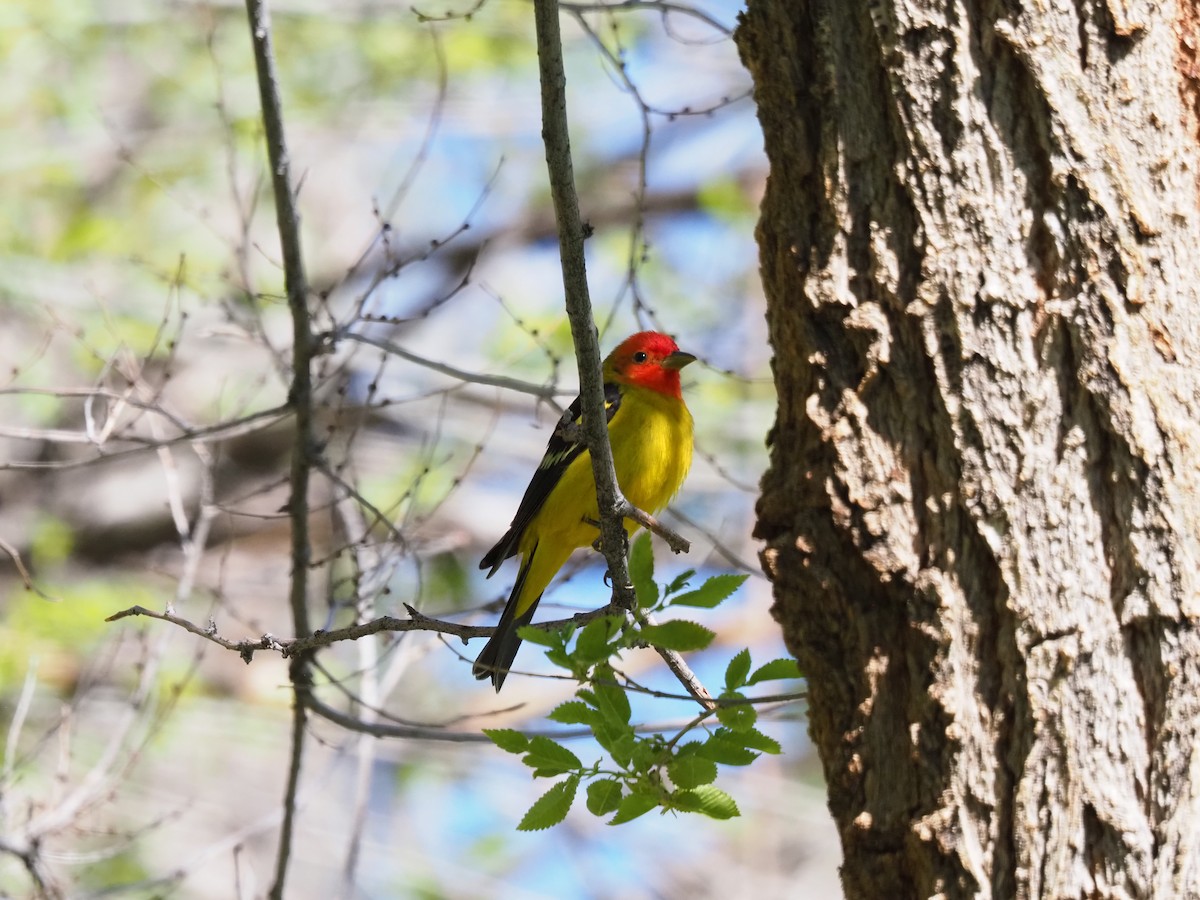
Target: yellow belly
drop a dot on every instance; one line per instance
(651, 437)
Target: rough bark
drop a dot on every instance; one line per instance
(979, 244)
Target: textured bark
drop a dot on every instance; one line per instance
(979, 244)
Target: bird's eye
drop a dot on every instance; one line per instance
(640, 356)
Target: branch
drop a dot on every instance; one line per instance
(545, 392)
(613, 506)
(300, 397)
(15, 555)
(303, 646)
(677, 542)
(613, 540)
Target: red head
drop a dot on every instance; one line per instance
(647, 359)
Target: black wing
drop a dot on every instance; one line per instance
(565, 444)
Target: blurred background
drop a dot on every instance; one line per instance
(144, 453)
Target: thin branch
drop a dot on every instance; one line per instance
(677, 542)
(301, 399)
(555, 135)
(659, 6)
(15, 555)
(680, 669)
(292, 647)
(613, 506)
(542, 391)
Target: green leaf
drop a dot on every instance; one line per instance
(677, 634)
(754, 740)
(691, 771)
(740, 716)
(737, 670)
(723, 750)
(646, 754)
(550, 808)
(632, 806)
(603, 796)
(679, 582)
(641, 570)
(592, 645)
(775, 670)
(550, 757)
(708, 800)
(507, 739)
(619, 742)
(712, 592)
(540, 636)
(610, 698)
(573, 712)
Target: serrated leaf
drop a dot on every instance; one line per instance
(550, 808)
(737, 670)
(775, 670)
(677, 634)
(611, 699)
(592, 645)
(603, 796)
(550, 757)
(691, 771)
(726, 751)
(540, 636)
(679, 582)
(632, 806)
(738, 717)
(646, 755)
(690, 748)
(507, 739)
(712, 592)
(641, 570)
(619, 742)
(707, 800)
(573, 712)
(755, 740)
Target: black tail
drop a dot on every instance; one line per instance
(498, 653)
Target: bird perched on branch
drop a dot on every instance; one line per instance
(650, 430)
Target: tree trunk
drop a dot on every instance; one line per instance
(980, 248)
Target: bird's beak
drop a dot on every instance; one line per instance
(678, 360)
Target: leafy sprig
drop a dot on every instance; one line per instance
(642, 772)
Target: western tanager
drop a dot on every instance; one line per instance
(650, 430)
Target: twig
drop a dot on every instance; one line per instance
(15, 555)
(543, 391)
(300, 398)
(677, 542)
(664, 8)
(292, 647)
(680, 669)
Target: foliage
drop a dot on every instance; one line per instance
(643, 771)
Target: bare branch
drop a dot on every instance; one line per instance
(292, 647)
(661, 6)
(614, 541)
(680, 669)
(300, 397)
(543, 391)
(677, 542)
(15, 555)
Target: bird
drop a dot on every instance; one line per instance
(650, 431)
